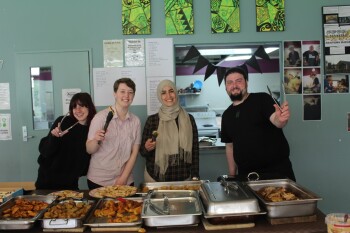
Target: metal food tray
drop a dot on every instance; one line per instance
(93, 221)
(222, 199)
(175, 185)
(304, 206)
(23, 223)
(62, 223)
(184, 208)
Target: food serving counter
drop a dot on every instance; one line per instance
(261, 225)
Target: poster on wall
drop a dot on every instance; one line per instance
(134, 52)
(5, 126)
(159, 57)
(270, 16)
(67, 95)
(5, 96)
(175, 10)
(336, 31)
(312, 107)
(113, 53)
(225, 16)
(136, 17)
(301, 61)
(104, 78)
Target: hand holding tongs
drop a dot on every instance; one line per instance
(278, 105)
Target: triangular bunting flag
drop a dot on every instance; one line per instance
(192, 53)
(220, 72)
(209, 71)
(201, 62)
(252, 62)
(260, 52)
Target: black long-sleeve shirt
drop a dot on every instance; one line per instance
(63, 160)
(178, 172)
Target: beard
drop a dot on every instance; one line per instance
(236, 97)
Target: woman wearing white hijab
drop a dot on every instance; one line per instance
(174, 154)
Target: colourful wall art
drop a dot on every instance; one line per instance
(179, 17)
(270, 15)
(136, 17)
(224, 16)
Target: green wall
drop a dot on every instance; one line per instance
(319, 149)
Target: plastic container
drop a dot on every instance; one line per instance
(338, 223)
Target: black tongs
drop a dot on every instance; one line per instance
(274, 98)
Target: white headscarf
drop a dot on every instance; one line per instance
(174, 142)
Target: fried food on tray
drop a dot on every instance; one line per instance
(68, 209)
(64, 194)
(120, 212)
(24, 208)
(113, 191)
(276, 194)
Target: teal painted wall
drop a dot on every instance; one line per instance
(319, 149)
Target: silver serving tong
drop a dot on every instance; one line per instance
(274, 98)
(156, 209)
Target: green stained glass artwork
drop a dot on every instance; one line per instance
(136, 17)
(224, 16)
(179, 17)
(270, 15)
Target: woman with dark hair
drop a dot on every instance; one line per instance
(63, 157)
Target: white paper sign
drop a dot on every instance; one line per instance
(104, 79)
(134, 52)
(4, 96)
(153, 103)
(113, 53)
(67, 95)
(5, 127)
(159, 57)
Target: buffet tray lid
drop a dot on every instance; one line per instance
(170, 185)
(231, 199)
(305, 196)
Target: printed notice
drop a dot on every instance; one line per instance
(113, 53)
(5, 127)
(135, 52)
(159, 57)
(153, 103)
(67, 95)
(104, 78)
(4, 96)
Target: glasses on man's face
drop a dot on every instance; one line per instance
(68, 127)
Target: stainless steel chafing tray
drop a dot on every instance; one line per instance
(304, 206)
(222, 199)
(22, 223)
(62, 223)
(102, 222)
(165, 208)
(174, 185)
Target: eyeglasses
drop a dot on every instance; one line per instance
(68, 127)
